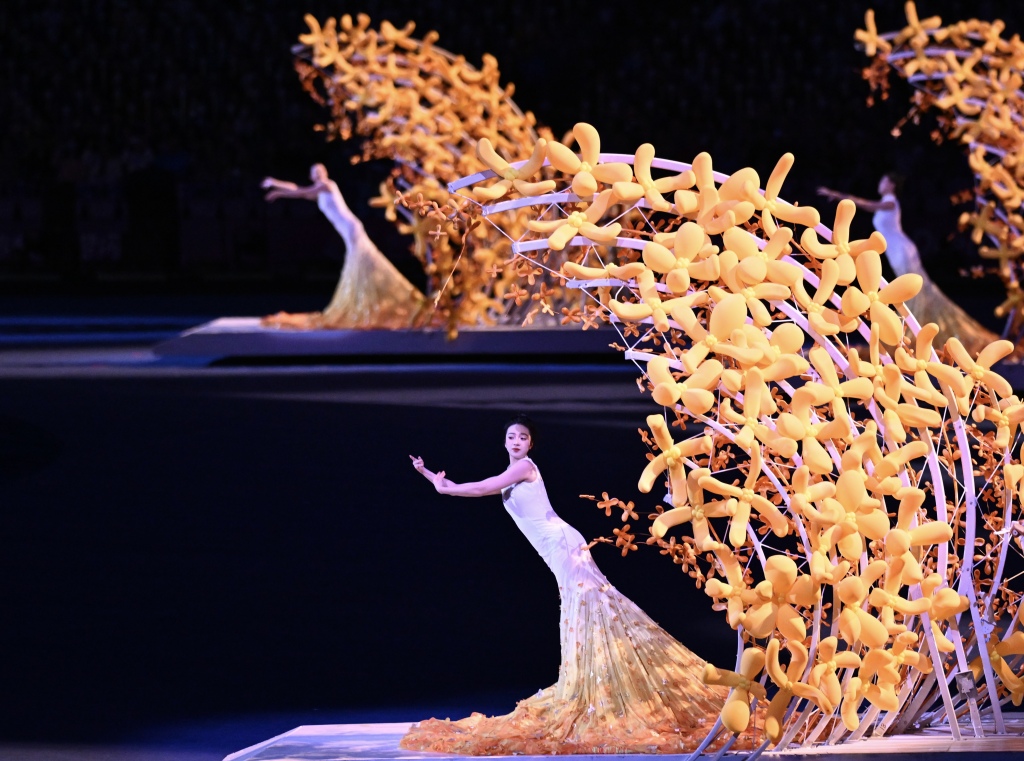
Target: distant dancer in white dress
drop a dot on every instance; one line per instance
(931, 304)
(371, 292)
(624, 684)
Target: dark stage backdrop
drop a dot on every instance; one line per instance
(209, 544)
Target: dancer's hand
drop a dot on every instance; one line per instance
(268, 183)
(440, 482)
(829, 193)
(417, 462)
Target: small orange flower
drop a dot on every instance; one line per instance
(628, 511)
(624, 539)
(606, 503)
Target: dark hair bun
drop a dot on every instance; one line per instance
(523, 420)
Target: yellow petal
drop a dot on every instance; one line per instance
(854, 302)
(534, 188)
(734, 188)
(902, 289)
(561, 236)
(798, 215)
(535, 162)
(627, 192)
(606, 234)
(495, 191)
(728, 314)
(670, 519)
(658, 258)
(994, 352)
(686, 201)
(562, 158)
(589, 142)
(545, 227)
(486, 153)
(613, 172)
(890, 326)
(753, 270)
(629, 312)
(584, 185)
(678, 281)
(697, 400)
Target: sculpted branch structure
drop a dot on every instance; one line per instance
(970, 75)
(438, 118)
(847, 493)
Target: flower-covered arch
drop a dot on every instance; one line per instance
(846, 493)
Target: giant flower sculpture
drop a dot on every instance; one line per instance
(437, 118)
(969, 74)
(789, 444)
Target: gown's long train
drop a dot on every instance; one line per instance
(624, 684)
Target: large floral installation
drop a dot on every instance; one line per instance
(846, 493)
(970, 75)
(437, 118)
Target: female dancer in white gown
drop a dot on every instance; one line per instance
(931, 304)
(371, 292)
(624, 684)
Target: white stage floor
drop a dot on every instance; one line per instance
(363, 742)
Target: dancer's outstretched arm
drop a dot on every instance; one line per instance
(282, 189)
(862, 203)
(518, 471)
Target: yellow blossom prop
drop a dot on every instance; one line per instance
(671, 458)
(968, 73)
(561, 231)
(799, 427)
(585, 169)
(682, 255)
(736, 713)
(998, 653)
(648, 188)
(695, 513)
(743, 501)
(438, 118)
(788, 680)
(512, 177)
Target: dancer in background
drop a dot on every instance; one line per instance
(624, 684)
(371, 292)
(931, 304)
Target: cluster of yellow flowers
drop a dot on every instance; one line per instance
(971, 75)
(429, 111)
(847, 492)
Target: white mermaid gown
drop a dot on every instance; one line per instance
(624, 684)
(371, 292)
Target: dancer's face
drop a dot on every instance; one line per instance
(518, 441)
(318, 173)
(885, 185)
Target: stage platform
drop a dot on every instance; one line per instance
(364, 742)
(240, 337)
